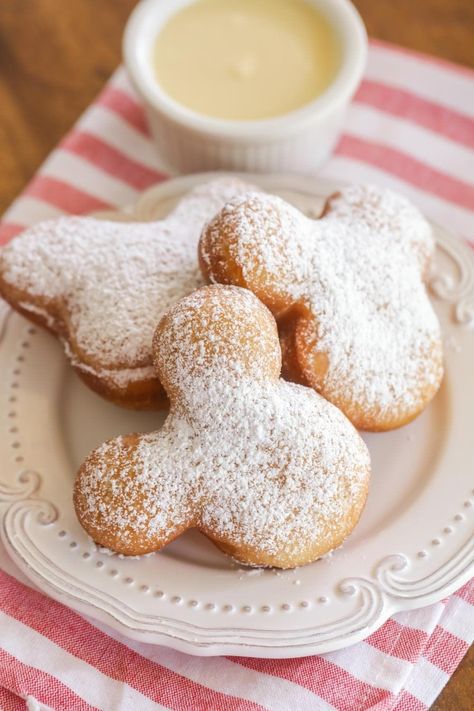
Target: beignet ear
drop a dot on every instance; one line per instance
(230, 253)
(213, 332)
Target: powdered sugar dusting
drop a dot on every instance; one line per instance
(111, 282)
(218, 334)
(358, 273)
(248, 459)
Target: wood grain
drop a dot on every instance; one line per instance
(55, 56)
(441, 27)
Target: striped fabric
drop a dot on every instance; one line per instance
(410, 127)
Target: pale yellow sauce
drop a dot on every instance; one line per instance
(246, 59)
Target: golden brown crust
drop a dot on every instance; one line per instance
(270, 472)
(145, 394)
(309, 366)
(137, 394)
(110, 492)
(101, 285)
(229, 329)
(333, 537)
(256, 242)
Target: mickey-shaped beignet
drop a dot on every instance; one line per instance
(101, 286)
(271, 472)
(347, 290)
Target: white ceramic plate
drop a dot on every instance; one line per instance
(413, 546)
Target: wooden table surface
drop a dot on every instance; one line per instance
(55, 55)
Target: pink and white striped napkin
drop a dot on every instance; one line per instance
(410, 127)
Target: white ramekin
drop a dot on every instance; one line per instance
(299, 141)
